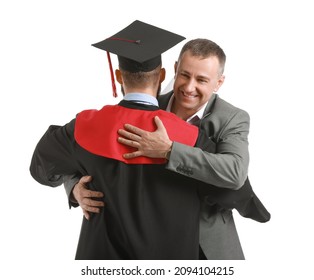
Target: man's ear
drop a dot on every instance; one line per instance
(162, 75)
(119, 76)
(219, 82)
(175, 67)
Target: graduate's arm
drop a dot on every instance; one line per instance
(244, 199)
(53, 158)
(53, 155)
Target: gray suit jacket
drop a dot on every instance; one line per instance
(228, 127)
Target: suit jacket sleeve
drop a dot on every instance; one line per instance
(228, 167)
(69, 181)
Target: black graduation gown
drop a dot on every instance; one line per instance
(150, 213)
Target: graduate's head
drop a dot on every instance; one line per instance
(139, 47)
(149, 82)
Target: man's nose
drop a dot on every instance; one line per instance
(190, 85)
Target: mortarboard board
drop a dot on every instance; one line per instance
(139, 47)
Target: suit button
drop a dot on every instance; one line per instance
(179, 169)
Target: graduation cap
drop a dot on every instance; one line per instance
(139, 47)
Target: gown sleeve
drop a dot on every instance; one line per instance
(54, 155)
(244, 200)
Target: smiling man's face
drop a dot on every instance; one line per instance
(196, 80)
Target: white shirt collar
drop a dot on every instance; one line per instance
(141, 98)
(198, 115)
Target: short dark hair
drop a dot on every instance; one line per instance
(205, 48)
(141, 79)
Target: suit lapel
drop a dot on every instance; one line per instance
(163, 100)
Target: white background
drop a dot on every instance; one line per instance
(49, 72)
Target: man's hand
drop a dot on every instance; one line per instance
(150, 144)
(85, 197)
